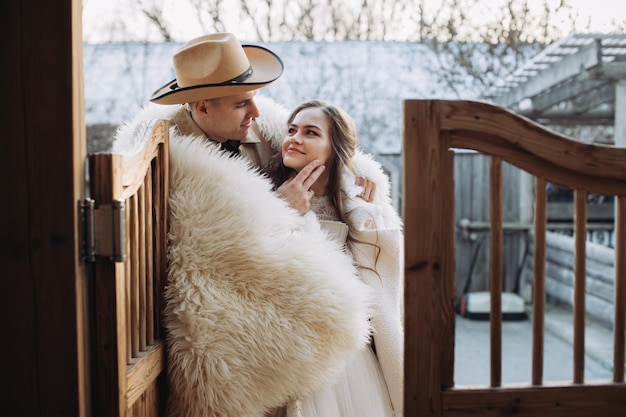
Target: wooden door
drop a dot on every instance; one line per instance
(128, 243)
(44, 369)
(432, 129)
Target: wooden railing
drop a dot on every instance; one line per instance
(129, 341)
(432, 129)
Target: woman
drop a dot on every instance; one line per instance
(371, 384)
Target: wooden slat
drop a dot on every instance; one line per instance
(605, 400)
(148, 404)
(128, 272)
(620, 291)
(539, 282)
(161, 210)
(133, 278)
(580, 277)
(496, 270)
(144, 370)
(122, 342)
(149, 260)
(447, 310)
(141, 255)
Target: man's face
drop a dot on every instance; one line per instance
(227, 117)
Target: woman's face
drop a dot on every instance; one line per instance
(307, 139)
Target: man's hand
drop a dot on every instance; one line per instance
(369, 188)
(296, 191)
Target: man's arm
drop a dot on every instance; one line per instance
(369, 188)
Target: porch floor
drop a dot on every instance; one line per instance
(472, 352)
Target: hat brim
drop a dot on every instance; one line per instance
(266, 68)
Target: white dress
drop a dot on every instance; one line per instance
(360, 391)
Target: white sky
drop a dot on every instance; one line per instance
(99, 15)
(599, 14)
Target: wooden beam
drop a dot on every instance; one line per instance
(570, 66)
(606, 400)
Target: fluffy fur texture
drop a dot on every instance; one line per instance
(261, 307)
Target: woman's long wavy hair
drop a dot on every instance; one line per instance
(343, 142)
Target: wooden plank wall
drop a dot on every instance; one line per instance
(471, 188)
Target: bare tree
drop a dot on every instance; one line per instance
(209, 15)
(382, 20)
(153, 11)
(481, 51)
(267, 17)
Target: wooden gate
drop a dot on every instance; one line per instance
(432, 128)
(127, 240)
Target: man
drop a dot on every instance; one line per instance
(219, 79)
(261, 306)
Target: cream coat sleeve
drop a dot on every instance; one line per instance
(377, 247)
(378, 253)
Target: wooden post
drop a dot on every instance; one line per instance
(429, 255)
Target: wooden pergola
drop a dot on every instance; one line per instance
(580, 79)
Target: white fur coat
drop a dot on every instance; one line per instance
(261, 306)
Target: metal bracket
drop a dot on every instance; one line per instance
(104, 230)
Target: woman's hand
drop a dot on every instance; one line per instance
(297, 191)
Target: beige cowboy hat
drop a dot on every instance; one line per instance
(217, 65)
